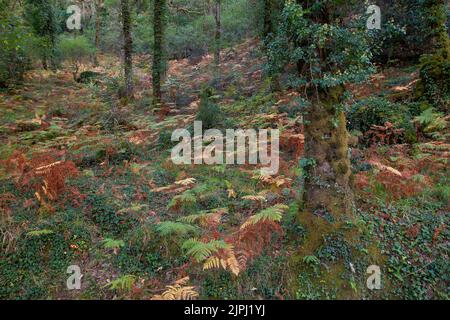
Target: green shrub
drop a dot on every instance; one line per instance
(209, 112)
(75, 51)
(434, 84)
(377, 111)
(15, 46)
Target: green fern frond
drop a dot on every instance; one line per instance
(187, 198)
(175, 228)
(122, 283)
(202, 217)
(274, 214)
(38, 233)
(112, 244)
(431, 121)
(200, 250)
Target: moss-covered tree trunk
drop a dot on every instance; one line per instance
(127, 48)
(435, 12)
(326, 164)
(158, 47)
(434, 84)
(327, 196)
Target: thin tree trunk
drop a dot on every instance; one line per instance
(158, 47)
(98, 5)
(128, 48)
(217, 40)
(267, 18)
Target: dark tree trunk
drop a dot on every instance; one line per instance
(217, 38)
(127, 48)
(267, 18)
(98, 6)
(158, 48)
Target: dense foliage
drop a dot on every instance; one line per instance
(87, 176)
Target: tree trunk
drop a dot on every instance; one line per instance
(327, 197)
(127, 48)
(158, 47)
(98, 6)
(217, 40)
(267, 18)
(436, 15)
(327, 165)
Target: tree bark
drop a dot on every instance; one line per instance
(127, 48)
(217, 39)
(267, 18)
(158, 47)
(327, 166)
(436, 15)
(98, 6)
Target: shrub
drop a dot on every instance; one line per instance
(434, 84)
(209, 112)
(75, 51)
(377, 111)
(15, 44)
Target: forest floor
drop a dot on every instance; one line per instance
(86, 179)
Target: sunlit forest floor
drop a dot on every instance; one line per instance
(86, 179)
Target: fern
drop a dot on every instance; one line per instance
(431, 121)
(178, 291)
(228, 261)
(113, 244)
(311, 260)
(205, 218)
(185, 199)
(255, 198)
(273, 214)
(200, 250)
(122, 283)
(175, 228)
(38, 233)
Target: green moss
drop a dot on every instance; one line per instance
(434, 84)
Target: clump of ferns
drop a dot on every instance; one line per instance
(207, 220)
(185, 201)
(213, 254)
(172, 233)
(256, 232)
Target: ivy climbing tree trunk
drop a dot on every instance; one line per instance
(327, 165)
(158, 48)
(302, 42)
(435, 12)
(127, 48)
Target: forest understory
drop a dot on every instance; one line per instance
(87, 178)
(112, 184)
